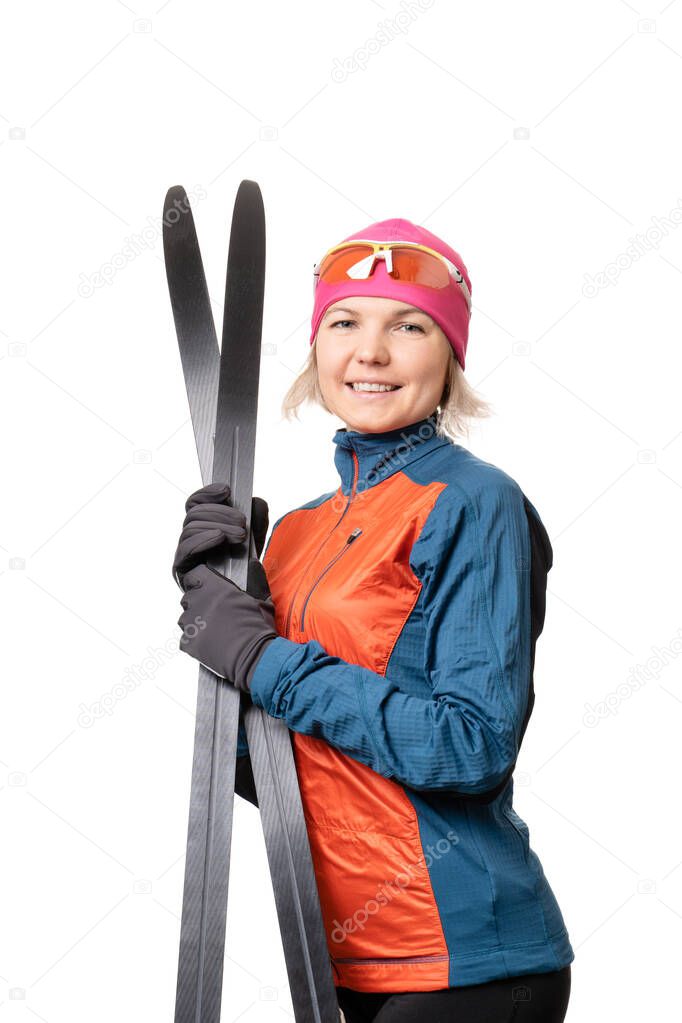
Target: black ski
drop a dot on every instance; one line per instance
(223, 390)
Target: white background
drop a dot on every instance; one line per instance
(539, 140)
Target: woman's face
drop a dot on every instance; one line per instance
(368, 339)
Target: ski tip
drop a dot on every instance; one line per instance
(246, 186)
(177, 217)
(176, 193)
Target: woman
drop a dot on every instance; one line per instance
(398, 645)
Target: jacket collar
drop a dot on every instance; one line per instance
(379, 455)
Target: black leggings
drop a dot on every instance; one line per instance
(528, 998)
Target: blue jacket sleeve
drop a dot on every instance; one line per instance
(473, 559)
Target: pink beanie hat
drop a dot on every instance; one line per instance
(447, 306)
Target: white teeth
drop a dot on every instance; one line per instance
(374, 387)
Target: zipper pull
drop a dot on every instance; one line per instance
(356, 532)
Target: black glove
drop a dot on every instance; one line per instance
(211, 523)
(224, 627)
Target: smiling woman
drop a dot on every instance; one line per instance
(410, 351)
(406, 606)
(396, 312)
(381, 344)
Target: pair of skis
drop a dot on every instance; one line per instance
(222, 388)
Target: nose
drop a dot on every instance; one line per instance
(372, 345)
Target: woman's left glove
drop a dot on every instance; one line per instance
(224, 627)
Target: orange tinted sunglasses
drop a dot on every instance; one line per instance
(408, 262)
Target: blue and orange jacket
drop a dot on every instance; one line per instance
(407, 604)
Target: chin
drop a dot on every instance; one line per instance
(370, 417)
(376, 423)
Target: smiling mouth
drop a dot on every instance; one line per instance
(363, 390)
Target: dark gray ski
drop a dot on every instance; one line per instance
(223, 391)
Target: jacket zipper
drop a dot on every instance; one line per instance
(356, 467)
(403, 959)
(353, 536)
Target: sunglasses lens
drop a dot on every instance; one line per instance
(335, 266)
(416, 267)
(356, 262)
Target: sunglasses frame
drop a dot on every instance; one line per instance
(378, 246)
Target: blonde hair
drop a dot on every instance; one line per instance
(458, 404)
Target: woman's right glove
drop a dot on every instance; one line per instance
(225, 627)
(212, 522)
